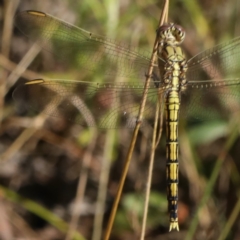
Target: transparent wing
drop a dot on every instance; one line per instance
(216, 100)
(218, 63)
(213, 89)
(89, 50)
(88, 104)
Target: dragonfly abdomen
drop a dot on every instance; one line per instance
(172, 104)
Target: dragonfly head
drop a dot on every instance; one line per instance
(171, 34)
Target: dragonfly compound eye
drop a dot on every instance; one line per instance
(178, 32)
(171, 33)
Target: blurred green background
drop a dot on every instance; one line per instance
(57, 177)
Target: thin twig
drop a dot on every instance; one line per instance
(22, 66)
(231, 220)
(155, 141)
(161, 106)
(10, 7)
(103, 181)
(150, 170)
(23, 72)
(81, 186)
(135, 133)
(27, 133)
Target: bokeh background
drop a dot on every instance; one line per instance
(58, 179)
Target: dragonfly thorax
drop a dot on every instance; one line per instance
(172, 66)
(172, 63)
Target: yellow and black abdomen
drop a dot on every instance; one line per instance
(172, 104)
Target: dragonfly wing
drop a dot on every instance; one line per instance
(90, 51)
(218, 63)
(211, 100)
(112, 106)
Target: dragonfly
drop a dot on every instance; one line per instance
(204, 87)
